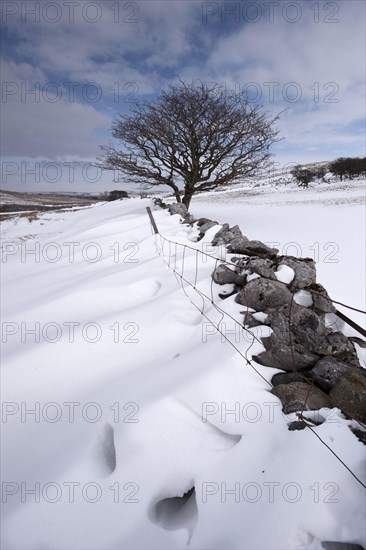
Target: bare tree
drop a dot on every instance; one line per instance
(302, 175)
(348, 167)
(193, 134)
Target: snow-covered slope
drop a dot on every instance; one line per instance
(118, 397)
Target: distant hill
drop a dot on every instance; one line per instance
(12, 201)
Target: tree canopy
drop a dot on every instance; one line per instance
(348, 167)
(194, 136)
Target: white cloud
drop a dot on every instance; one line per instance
(34, 126)
(169, 38)
(114, 48)
(326, 62)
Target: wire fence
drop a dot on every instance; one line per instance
(184, 262)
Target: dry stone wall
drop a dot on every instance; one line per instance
(321, 366)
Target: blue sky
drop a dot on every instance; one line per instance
(69, 68)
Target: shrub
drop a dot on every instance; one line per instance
(303, 176)
(117, 194)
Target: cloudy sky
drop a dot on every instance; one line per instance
(68, 68)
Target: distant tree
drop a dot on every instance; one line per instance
(348, 167)
(357, 167)
(303, 176)
(198, 135)
(117, 194)
(320, 171)
(339, 167)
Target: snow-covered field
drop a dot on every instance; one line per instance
(326, 223)
(119, 397)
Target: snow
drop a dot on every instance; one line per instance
(303, 298)
(252, 276)
(285, 274)
(136, 397)
(260, 316)
(325, 223)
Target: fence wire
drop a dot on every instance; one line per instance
(177, 263)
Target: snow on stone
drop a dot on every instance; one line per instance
(285, 274)
(252, 276)
(260, 316)
(303, 298)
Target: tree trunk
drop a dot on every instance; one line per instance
(177, 195)
(187, 199)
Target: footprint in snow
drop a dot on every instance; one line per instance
(105, 451)
(179, 512)
(147, 288)
(186, 317)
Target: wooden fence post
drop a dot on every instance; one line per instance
(156, 231)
